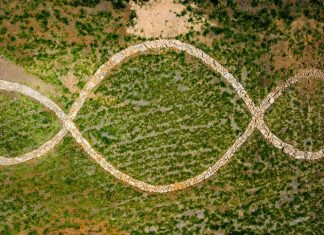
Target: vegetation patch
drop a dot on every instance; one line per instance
(260, 191)
(24, 124)
(296, 117)
(163, 118)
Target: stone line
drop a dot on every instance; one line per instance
(269, 100)
(68, 125)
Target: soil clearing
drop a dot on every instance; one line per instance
(160, 19)
(12, 72)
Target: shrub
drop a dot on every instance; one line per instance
(132, 17)
(42, 18)
(86, 3)
(84, 28)
(60, 18)
(217, 30)
(118, 4)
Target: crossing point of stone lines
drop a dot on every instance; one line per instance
(69, 126)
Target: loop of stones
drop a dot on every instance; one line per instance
(68, 125)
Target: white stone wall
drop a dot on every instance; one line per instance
(68, 125)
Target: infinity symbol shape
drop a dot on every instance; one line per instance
(69, 126)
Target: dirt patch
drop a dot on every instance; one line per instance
(12, 72)
(88, 227)
(70, 81)
(283, 57)
(302, 22)
(308, 88)
(160, 19)
(78, 226)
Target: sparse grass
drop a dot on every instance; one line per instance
(249, 41)
(51, 39)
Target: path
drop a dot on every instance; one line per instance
(15, 73)
(69, 126)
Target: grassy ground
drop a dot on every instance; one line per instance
(164, 124)
(261, 191)
(24, 124)
(297, 116)
(64, 42)
(61, 42)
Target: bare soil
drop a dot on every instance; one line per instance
(160, 19)
(12, 72)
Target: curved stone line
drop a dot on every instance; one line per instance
(68, 125)
(270, 99)
(43, 149)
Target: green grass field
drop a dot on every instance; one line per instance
(163, 118)
(301, 124)
(24, 124)
(260, 191)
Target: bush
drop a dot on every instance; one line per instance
(118, 4)
(217, 30)
(85, 3)
(60, 18)
(84, 28)
(42, 17)
(3, 31)
(132, 17)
